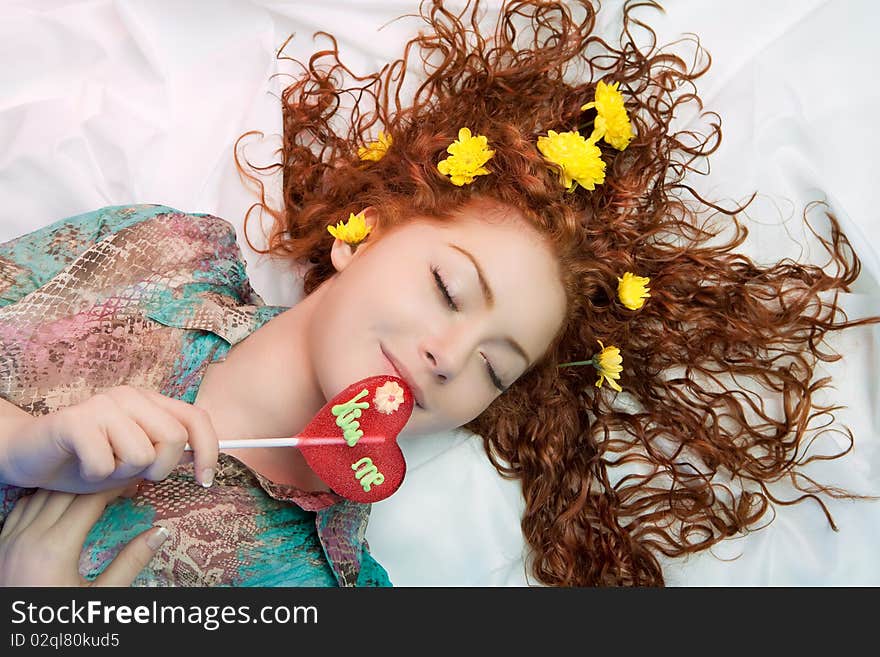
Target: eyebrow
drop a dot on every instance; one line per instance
(489, 297)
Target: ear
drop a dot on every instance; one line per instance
(342, 253)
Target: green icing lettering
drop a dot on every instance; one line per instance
(346, 415)
(368, 474)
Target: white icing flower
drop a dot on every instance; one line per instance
(388, 397)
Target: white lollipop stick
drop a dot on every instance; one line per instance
(293, 441)
(264, 442)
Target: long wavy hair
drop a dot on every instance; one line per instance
(684, 457)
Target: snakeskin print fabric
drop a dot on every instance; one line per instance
(149, 296)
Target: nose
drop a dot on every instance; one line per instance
(446, 356)
(440, 372)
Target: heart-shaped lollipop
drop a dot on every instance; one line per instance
(367, 464)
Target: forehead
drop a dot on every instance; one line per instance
(495, 245)
(497, 235)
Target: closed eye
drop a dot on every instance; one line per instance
(453, 305)
(441, 285)
(495, 380)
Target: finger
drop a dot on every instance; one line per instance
(82, 514)
(93, 454)
(69, 480)
(133, 558)
(166, 434)
(202, 435)
(15, 515)
(168, 453)
(34, 506)
(53, 508)
(132, 448)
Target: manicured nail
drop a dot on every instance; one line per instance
(158, 537)
(207, 477)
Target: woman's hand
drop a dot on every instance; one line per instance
(107, 441)
(43, 537)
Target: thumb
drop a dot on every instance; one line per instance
(133, 558)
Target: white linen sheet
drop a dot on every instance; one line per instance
(108, 102)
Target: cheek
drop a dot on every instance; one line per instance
(334, 331)
(383, 283)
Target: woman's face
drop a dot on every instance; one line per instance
(386, 311)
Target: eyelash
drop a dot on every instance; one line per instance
(441, 285)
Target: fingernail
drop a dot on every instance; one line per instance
(158, 537)
(207, 477)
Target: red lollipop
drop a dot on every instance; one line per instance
(365, 464)
(351, 443)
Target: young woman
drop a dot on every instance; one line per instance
(515, 241)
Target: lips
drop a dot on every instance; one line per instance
(403, 374)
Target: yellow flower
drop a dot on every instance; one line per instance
(468, 155)
(612, 122)
(376, 150)
(609, 364)
(579, 160)
(354, 231)
(633, 290)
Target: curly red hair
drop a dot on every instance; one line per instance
(682, 434)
